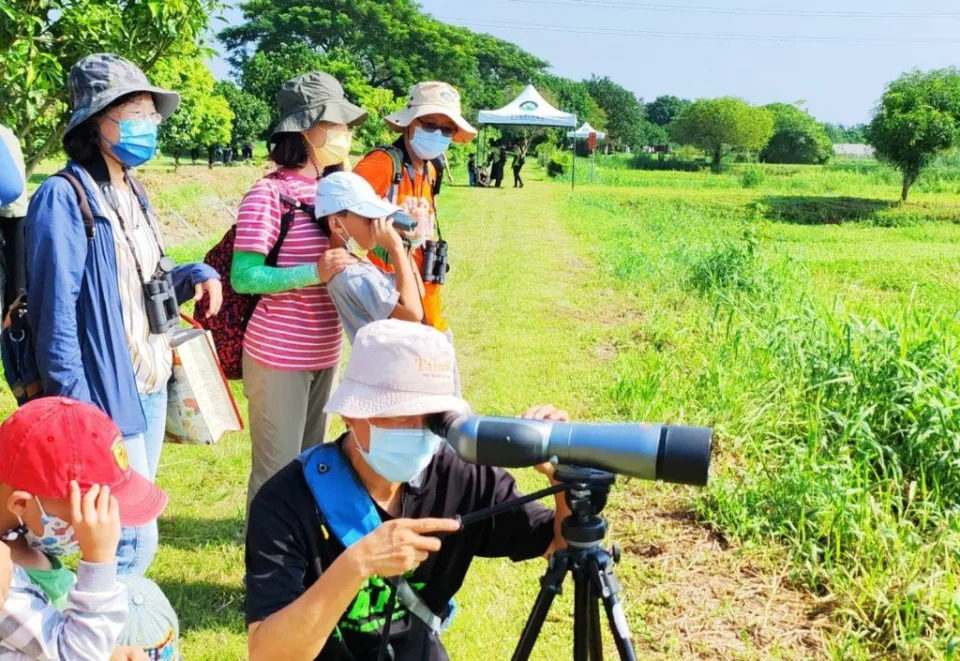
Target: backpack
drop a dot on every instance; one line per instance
(229, 325)
(16, 341)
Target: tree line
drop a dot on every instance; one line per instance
(378, 50)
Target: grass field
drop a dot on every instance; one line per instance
(808, 319)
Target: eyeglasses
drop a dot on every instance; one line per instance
(430, 127)
(154, 117)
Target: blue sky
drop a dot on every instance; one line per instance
(834, 55)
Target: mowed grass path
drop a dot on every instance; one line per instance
(534, 319)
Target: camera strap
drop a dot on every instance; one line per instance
(348, 512)
(113, 200)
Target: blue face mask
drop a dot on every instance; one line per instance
(429, 145)
(138, 141)
(399, 455)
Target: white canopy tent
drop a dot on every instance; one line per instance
(584, 132)
(528, 109)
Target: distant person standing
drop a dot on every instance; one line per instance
(472, 169)
(499, 164)
(194, 154)
(519, 159)
(211, 155)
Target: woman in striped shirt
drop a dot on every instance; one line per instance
(291, 346)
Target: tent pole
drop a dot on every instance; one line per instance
(573, 173)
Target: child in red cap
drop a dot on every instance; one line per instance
(66, 487)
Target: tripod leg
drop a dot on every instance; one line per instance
(596, 632)
(608, 588)
(581, 614)
(550, 586)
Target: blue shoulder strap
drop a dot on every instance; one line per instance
(351, 515)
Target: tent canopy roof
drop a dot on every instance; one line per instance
(585, 131)
(528, 109)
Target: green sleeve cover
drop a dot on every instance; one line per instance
(249, 274)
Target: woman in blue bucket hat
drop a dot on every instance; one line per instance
(102, 294)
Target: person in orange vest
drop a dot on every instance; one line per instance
(403, 173)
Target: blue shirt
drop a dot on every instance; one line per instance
(74, 309)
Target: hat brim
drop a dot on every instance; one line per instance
(402, 119)
(166, 102)
(374, 209)
(353, 399)
(140, 500)
(304, 119)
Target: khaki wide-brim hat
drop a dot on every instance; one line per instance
(433, 98)
(397, 368)
(314, 97)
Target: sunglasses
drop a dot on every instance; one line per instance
(446, 131)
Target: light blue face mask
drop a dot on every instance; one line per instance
(429, 145)
(399, 455)
(138, 141)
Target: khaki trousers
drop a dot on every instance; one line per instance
(286, 416)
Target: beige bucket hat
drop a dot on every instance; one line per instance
(397, 368)
(433, 98)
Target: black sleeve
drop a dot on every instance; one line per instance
(521, 533)
(277, 556)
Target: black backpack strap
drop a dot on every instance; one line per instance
(286, 222)
(85, 212)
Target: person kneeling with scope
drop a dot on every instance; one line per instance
(354, 550)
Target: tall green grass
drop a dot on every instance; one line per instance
(837, 419)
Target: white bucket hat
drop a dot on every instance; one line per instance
(433, 98)
(346, 190)
(397, 368)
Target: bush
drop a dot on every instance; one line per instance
(752, 177)
(729, 266)
(649, 162)
(559, 164)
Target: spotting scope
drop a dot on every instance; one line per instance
(649, 451)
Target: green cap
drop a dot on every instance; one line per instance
(314, 97)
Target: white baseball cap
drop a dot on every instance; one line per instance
(397, 368)
(346, 190)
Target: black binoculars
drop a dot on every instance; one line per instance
(160, 298)
(435, 264)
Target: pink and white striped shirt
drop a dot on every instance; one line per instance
(298, 330)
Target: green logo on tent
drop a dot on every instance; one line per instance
(528, 106)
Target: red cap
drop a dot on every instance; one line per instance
(50, 441)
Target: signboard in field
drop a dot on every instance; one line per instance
(592, 141)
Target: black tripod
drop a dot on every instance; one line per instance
(592, 569)
(584, 557)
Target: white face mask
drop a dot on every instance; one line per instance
(58, 536)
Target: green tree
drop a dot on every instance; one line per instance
(569, 96)
(664, 109)
(855, 133)
(797, 137)
(917, 118)
(41, 39)
(653, 134)
(251, 116)
(623, 109)
(719, 126)
(204, 117)
(392, 44)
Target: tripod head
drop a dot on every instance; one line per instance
(586, 490)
